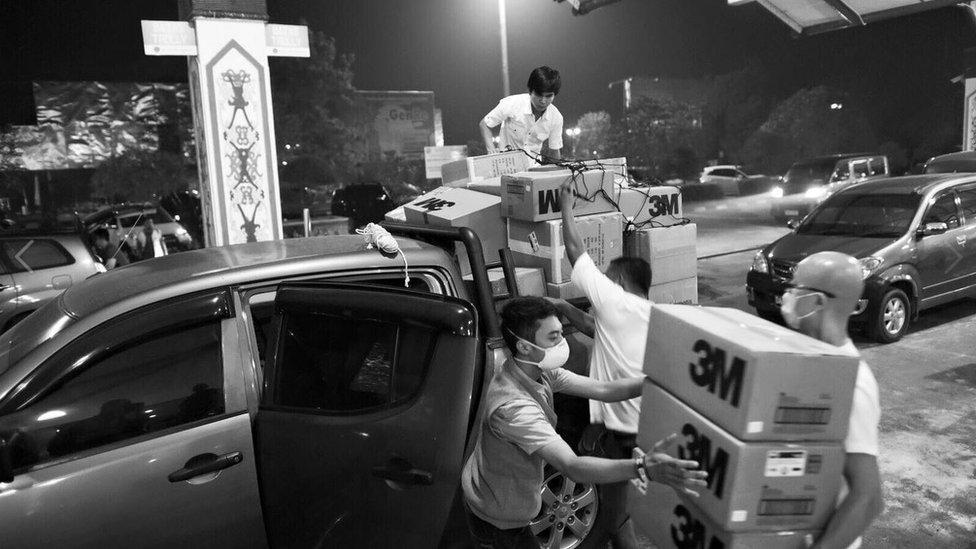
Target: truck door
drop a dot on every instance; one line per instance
(361, 429)
(941, 257)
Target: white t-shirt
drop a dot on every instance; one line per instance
(621, 320)
(862, 432)
(520, 129)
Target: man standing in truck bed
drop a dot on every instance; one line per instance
(528, 120)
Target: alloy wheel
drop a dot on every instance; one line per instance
(568, 512)
(894, 315)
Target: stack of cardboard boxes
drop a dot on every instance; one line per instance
(672, 253)
(763, 409)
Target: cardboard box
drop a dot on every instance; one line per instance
(650, 206)
(529, 281)
(671, 251)
(674, 522)
(534, 195)
(541, 244)
(677, 292)
(752, 486)
(396, 215)
(489, 185)
(758, 380)
(618, 166)
(564, 290)
(462, 208)
(473, 168)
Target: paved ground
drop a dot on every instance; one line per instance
(927, 382)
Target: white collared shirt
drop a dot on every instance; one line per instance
(520, 129)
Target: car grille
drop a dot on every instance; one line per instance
(783, 269)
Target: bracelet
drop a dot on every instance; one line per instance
(639, 464)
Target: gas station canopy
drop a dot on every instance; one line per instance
(816, 16)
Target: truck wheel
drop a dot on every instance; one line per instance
(891, 320)
(568, 512)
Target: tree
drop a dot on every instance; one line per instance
(660, 136)
(736, 105)
(812, 122)
(140, 175)
(311, 98)
(594, 131)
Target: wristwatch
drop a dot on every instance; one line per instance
(641, 472)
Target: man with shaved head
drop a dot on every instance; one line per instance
(821, 298)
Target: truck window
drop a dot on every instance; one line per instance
(334, 364)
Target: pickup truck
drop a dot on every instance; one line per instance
(287, 393)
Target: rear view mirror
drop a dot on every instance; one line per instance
(933, 228)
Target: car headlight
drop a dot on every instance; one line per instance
(180, 231)
(776, 192)
(815, 192)
(869, 265)
(759, 263)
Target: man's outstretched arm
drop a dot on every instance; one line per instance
(571, 237)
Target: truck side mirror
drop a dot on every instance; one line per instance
(932, 228)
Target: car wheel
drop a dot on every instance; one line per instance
(892, 317)
(568, 512)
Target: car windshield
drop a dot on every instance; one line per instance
(159, 215)
(809, 171)
(951, 166)
(25, 336)
(862, 215)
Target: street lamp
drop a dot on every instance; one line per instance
(573, 134)
(504, 39)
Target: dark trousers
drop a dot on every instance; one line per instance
(488, 536)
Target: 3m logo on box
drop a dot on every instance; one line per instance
(687, 532)
(664, 204)
(698, 447)
(711, 372)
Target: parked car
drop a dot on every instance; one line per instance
(958, 162)
(808, 182)
(913, 236)
(289, 393)
(37, 264)
(734, 180)
(362, 203)
(185, 207)
(125, 221)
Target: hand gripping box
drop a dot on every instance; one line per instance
(541, 244)
(758, 380)
(650, 206)
(534, 195)
(751, 485)
(671, 252)
(674, 522)
(461, 208)
(681, 292)
(473, 168)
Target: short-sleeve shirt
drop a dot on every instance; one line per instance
(524, 422)
(862, 431)
(621, 322)
(520, 129)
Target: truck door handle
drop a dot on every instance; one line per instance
(961, 240)
(402, 471)
(205, 463)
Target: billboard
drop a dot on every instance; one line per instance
(394, 124)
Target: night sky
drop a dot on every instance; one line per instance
(452, 48)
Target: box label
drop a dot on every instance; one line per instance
(713, 371)
(786, 463)
(434, 204)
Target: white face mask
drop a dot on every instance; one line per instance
(553, 357)
(790, 305)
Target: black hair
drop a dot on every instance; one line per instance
(100, 232)
(543, 80)
(522, 316)
(635, 269)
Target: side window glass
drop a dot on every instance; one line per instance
(860, 169)
(154, 383)
(943, 210)
(877, 166)
(342, 365)
(967, 198)
(34, 254)
(842, 172)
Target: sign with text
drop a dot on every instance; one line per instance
(394, 123)
(169, 38)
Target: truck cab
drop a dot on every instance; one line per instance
(286, 393)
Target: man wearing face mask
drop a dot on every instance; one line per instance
(502, 478)
(528, 120)
(821, 298)
(618, 326)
